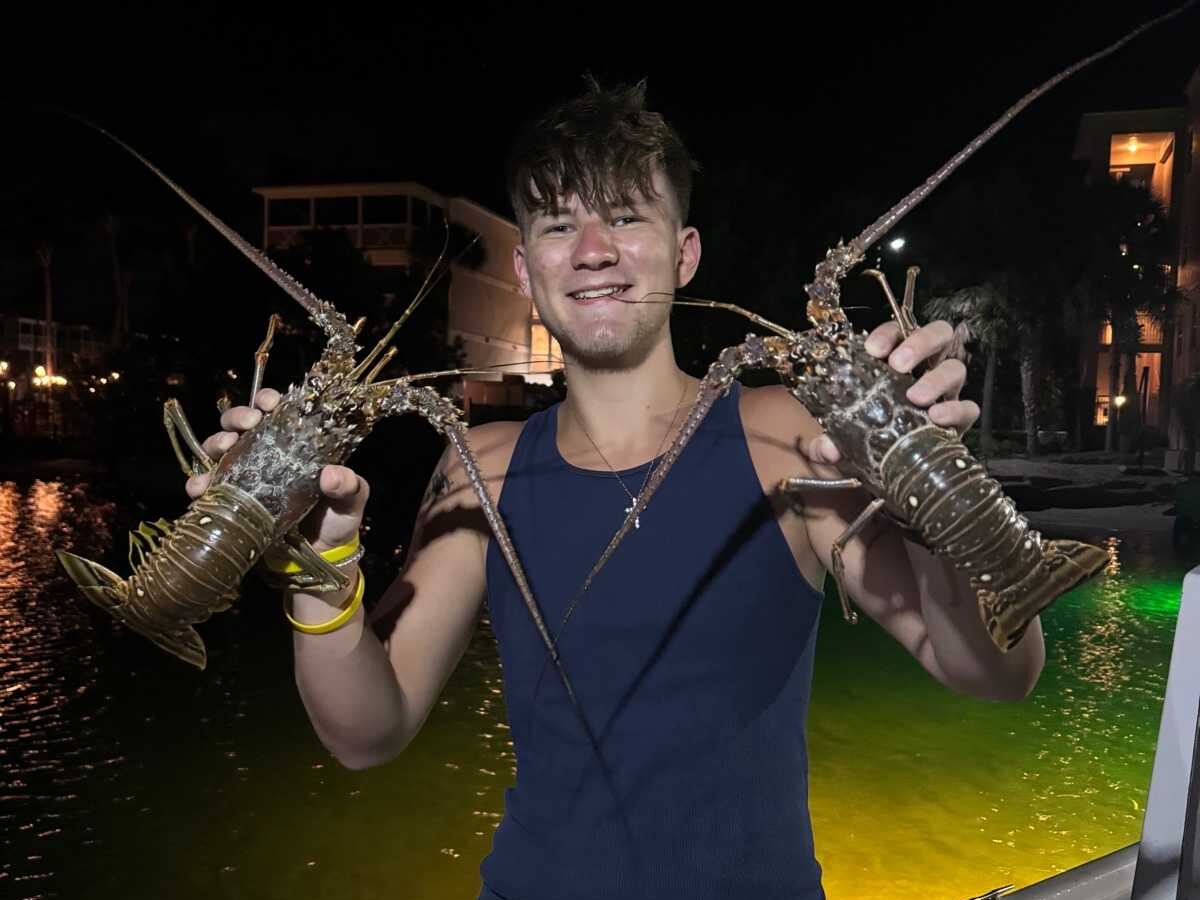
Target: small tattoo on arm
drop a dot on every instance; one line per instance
(439, 487)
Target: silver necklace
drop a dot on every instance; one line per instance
(637, 522)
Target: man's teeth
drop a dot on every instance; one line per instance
(601, 292)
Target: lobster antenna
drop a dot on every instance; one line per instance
(322, 311)
(685, 300)
(383, 361)
(425, 285)
(424, 291)
(445, 373)
(885, 222)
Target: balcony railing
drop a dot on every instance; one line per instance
(364, 237)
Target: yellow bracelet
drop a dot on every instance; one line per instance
(284, 566)
(337, 621)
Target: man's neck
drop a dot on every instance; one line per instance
(620, 418)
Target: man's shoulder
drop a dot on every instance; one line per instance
(493, 443)
(492, 446)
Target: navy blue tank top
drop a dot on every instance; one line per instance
(691, 655)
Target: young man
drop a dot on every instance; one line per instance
(691, 653)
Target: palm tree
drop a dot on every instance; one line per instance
(111, 227)
(1120, 280)
(980, 311)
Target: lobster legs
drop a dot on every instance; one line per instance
(178, 428)
(837, 563)
(902, 312)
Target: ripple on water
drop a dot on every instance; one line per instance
(54, 750)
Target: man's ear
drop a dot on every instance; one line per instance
(520, 269)
(688, 258)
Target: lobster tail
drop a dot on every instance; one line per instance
(1064, 565)
(110, 592)
(934, 484)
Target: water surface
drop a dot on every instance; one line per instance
(126, 774)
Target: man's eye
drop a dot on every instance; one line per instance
(627, 220)
(559, 228)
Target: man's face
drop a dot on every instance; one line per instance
(586, 270)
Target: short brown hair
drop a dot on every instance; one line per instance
(602, 147)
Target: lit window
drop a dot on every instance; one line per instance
(1149, 328)
(540, 342)
(543, 347)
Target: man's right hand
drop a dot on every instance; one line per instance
(335, 519)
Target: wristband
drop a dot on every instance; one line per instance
(337, 621)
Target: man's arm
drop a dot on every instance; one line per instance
(921, 600)
(918, 598)
(367, 695)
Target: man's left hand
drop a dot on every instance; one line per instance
(937, 389)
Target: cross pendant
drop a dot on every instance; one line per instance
(637, 522)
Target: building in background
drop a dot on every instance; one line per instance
(1160, 150)
(496, 323)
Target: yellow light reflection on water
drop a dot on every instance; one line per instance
(918, 794)
(47, 744)
(1113, 546)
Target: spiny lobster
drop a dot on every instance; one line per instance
(186, 570)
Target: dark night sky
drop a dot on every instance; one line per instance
(820, 102)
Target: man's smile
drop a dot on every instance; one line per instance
(599, 293)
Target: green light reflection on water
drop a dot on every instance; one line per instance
(918, 792)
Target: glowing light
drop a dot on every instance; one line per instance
(3, 366)
(12, 385)
(115, 375)
(40, 371)
(1119, 400)
(896, 244)
(91, 390)
(232, 374)
(103, 380)
(1132, 146)
(1112, 546)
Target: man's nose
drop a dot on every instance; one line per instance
(595, 248)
